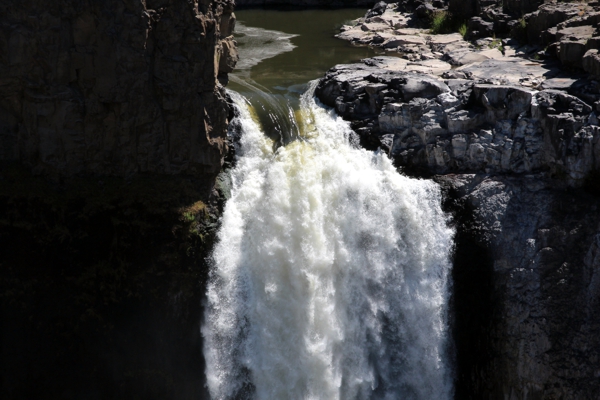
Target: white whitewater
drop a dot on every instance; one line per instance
(330, 276)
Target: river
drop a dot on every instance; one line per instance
(330, 278)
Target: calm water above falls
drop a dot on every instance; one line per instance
(330, 276)
(280, 52)
(309, 33)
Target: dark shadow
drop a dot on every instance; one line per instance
(101, 286)
(472, 302)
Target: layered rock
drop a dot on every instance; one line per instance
(458, 125)
(115, 88)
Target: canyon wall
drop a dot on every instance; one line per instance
(102, 266)
(115, 87)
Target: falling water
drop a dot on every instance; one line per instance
(330, 276)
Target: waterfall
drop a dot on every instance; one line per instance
(331, 272)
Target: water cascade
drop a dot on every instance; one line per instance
(330, 275)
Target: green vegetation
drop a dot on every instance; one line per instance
(519, 31)
(496, 44)
(443, 22)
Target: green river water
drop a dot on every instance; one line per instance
(280, 52)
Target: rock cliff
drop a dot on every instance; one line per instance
(462, 125)
(115, 87)
(526, 287)
(102, 267)
(513, 161)
(514, 140)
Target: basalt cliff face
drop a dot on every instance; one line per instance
(115, 87)
(512, 135)
(113, 128)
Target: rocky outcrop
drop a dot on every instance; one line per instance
(395, 30)
(458, 125)
(541, 24)
(115, 88)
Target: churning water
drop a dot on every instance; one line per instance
(330, 276)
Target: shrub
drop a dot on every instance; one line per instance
(444, 22)
(519, 31)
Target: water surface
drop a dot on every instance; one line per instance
(315, 49)
(280, 52)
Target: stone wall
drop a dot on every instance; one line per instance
(115, 87)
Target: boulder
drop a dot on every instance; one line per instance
(483, 28)
(546, 17)
(424, 10)
(378, 9)
(571, 52)
(591, 63)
